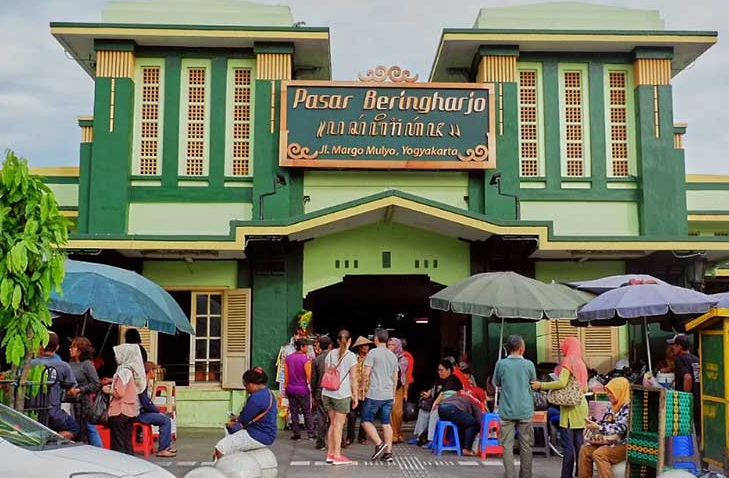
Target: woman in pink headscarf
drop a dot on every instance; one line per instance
(571, 418)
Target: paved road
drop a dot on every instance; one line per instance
(300, 459)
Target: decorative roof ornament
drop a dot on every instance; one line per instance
(394, 73)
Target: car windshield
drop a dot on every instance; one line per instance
(25, 432)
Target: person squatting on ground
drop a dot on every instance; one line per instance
(428, 412)
(128, 382)
(64, 383)
(339, 394)
(614, 422)
(82, 352)
(516, 406)
(381, 367)
(571, 418)
(297, 375)
(323, 345)
(151, 415)
(361, 347)
(465, 411)
(255, 427)
(395, 346)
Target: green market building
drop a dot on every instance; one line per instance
(222, 162)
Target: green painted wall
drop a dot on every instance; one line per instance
(366, 245)
(195, 274)
(663, 208)
(707, 200)
(207, 408)
(330, 188)
(111, 160)
(185, 218)
(277, 298)
(84, 182)
(585, 218)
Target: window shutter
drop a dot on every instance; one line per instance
(149, 341)
(560, 329)
(528, 123)
(601, 345)
(236, 338)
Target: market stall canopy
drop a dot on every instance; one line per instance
(721, 309)
(506, 295)
(604, 284)
(118, 296)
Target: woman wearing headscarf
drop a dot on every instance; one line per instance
(571, 418)
(395, 346)
(614, 422)
(128, 382)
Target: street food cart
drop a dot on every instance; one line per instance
(713, 330)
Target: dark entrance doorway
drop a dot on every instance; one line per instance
(395, 302)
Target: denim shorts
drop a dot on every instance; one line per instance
(372, 407)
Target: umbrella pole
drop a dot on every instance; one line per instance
(105, 338)
(648, 344)
(559, 344)
(83, 327)
(501, 347)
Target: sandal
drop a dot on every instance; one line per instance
(166, 453)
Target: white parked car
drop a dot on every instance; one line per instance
(30, 450)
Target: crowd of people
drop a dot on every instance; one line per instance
(76, 384)
(365, 380)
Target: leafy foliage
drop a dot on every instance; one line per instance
(31, 263)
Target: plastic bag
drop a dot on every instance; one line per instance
(98, 414)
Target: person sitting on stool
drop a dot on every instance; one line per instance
(149, 414)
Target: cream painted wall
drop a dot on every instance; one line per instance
(186, 219)
(707, 200)
(66, 194)
(329, 188)
(585, 218)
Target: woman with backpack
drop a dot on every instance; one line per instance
(339, 394)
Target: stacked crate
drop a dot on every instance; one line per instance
(646, 432)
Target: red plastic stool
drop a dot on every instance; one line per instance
(105, 435)
(147, 444)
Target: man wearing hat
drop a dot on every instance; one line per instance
(688, 374)
(361, 346)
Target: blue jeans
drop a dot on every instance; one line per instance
(371, 407)
(468, 426)
(93, 435)
(165, 427)
(572, 440)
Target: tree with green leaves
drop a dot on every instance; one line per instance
(32, 229)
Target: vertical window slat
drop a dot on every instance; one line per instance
(240, 134)
(618, 134)
(573, 132)
(529, 128)
(148, 121)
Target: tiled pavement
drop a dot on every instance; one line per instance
(300, 459)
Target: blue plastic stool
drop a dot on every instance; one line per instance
(682, 448)
(490, 445)
(441, 430)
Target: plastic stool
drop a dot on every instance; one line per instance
(488, 443)
(683, 453)
(105, 435)
(147, 444)
(441, 430)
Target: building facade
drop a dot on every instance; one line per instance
(194, 171)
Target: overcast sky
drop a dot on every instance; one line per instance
(42, 90)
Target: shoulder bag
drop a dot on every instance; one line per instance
(569, 396)
(98, 413)
(331, 379)
(262, 414)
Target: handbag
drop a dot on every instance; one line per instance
(595, 438)
(569, 396)
(331, 380)
(98, 413)
(410, 412)
(540, 401)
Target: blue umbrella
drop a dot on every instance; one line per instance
(635, 303)
(604, 284)
(118, 296)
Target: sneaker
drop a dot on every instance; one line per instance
(341, 460)
(427, 444)
(320, 445)
(388, 457)
(413, 441)
(379, 450)
(330, 459)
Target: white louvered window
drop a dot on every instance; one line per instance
(236, 359)
(148, 118)
(195, 118)
(600, 344)
(574, 133)
(619, 127)
(529, 127)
